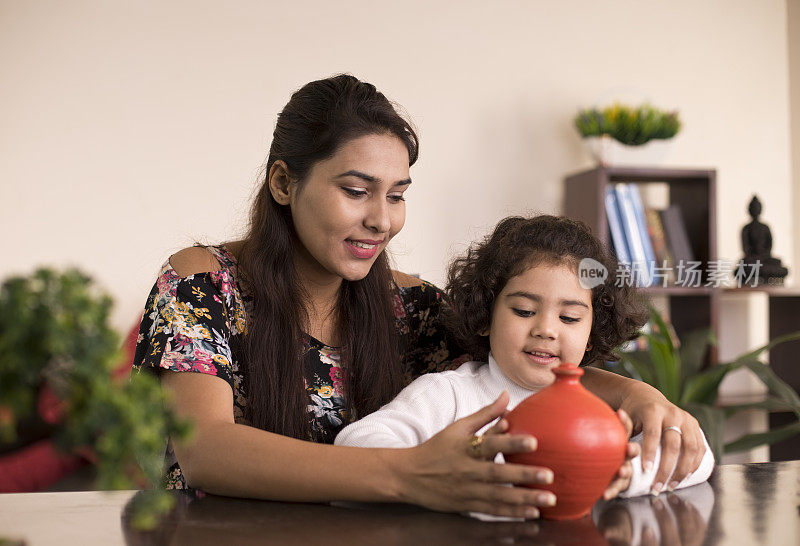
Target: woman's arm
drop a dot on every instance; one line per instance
(226, 458)
(651, 413)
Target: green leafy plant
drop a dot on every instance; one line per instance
(679, 374)
(54, 335)
(631, 126)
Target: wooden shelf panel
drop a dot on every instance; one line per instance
(773, 291)
(678, 290)
(647, 174)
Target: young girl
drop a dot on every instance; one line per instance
(519, 306)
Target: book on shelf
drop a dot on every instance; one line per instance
(647, 244)
(651, 242)
(676, 235)
(661, 250)
(615, 227)
(635, 239)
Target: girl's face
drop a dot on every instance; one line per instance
(541, 318)
(350, 207)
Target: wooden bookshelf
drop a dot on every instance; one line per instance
(694, 190)
(691, 308)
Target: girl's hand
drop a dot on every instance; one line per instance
(622, 480)
(451, 473)
(657, 417)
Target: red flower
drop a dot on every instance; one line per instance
(399, 308)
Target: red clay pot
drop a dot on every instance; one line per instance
(580, 439)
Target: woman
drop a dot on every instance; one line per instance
(301, 327)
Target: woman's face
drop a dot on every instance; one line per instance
(349, 207)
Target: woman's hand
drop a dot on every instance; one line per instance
(450, 474)
(622, 480)
(657, 417)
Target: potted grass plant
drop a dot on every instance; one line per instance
(620, 134)
(677, 371)
(57, 357)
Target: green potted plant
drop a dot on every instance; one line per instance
(57, 355)
(677, 371)
(612, 132)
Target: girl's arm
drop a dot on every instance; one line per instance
(651, 412)
(422, 409)
(226, 458)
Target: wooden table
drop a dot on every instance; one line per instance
(749, 504)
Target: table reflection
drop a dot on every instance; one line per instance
(680, 518)
(674, 519)
(212, 519)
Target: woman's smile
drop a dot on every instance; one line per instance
(363, 248)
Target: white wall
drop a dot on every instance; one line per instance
(129, 132)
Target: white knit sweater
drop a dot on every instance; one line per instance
(435, 400)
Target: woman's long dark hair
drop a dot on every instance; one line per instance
(319, 118)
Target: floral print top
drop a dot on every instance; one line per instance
(197, 324)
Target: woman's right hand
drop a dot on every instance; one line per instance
(445, 474)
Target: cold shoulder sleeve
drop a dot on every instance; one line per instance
(188, 325)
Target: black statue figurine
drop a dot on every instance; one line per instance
(757, 246)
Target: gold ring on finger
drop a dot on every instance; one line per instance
(475, 449)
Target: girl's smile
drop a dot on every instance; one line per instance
(545, 358)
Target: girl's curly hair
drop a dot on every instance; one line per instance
(475, 279)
